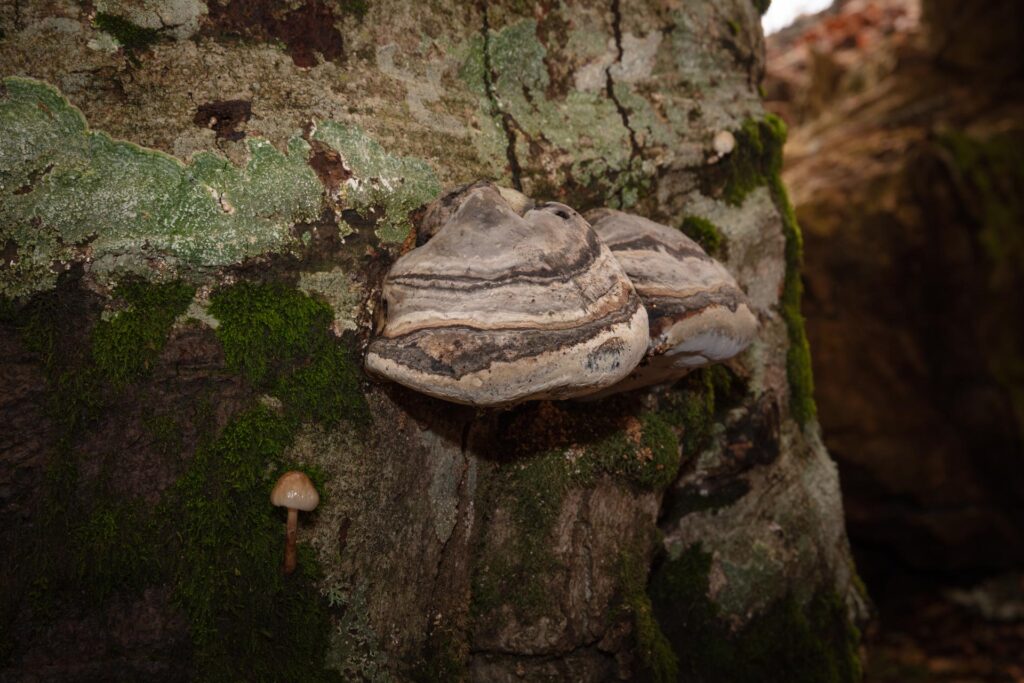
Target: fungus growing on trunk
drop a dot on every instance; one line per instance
(698, 313)
(295, 492)
(498, 307)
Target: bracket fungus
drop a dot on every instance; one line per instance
(500, 306)
(295, 492)
(698, 313)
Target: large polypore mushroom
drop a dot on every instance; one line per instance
(698, 313)
(499, 307)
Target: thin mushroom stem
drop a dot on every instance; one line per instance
(289, 541)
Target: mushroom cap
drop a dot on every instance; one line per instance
(698, 314)
(499, 308)
(295, 490)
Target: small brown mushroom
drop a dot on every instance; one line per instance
(294, 491)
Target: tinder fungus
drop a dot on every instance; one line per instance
(698, 313)
(498, 307)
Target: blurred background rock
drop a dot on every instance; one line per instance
(905, 162)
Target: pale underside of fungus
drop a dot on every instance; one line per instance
(698, 314)
(506, 303)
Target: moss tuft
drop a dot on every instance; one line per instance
(757, 161)
(657, 659)
(279, 339)
(214, 537)
(705, 233)
(788, 642)
(642, 452)
(125, 347)
(266, 329)
(692, 406)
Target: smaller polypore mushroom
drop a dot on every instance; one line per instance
(296, 492)
(698, 313)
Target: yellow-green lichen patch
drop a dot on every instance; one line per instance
(67, 192)
(791, 642)
(397, 185)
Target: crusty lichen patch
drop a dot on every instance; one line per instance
(397, 185)
(584, 127)
(68, 192)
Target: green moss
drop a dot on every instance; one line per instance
(757, 161)
(694, 404)
(705, 233)
(280, 340)
(126, 346)
(355, 8)
(133, 38)
(214, 537)
(652, 463)
(786, 643)
(116, 548)
(644, 453)
(266, 329)
(247, 619)
(657, 659)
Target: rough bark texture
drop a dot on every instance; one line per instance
(184, 318)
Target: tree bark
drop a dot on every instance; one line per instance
(184, 317)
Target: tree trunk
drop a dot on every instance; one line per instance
(198, 204)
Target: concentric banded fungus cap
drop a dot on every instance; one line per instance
(698, 313)
(441, 211)
(499, 308)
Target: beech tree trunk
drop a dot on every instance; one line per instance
(198, 204)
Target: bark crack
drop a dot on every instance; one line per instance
(610, 85)
(497, 111)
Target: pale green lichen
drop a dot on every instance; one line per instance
(586, 123)
(63, 187)
(68, 193)
(340, 292)
(398, 185)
